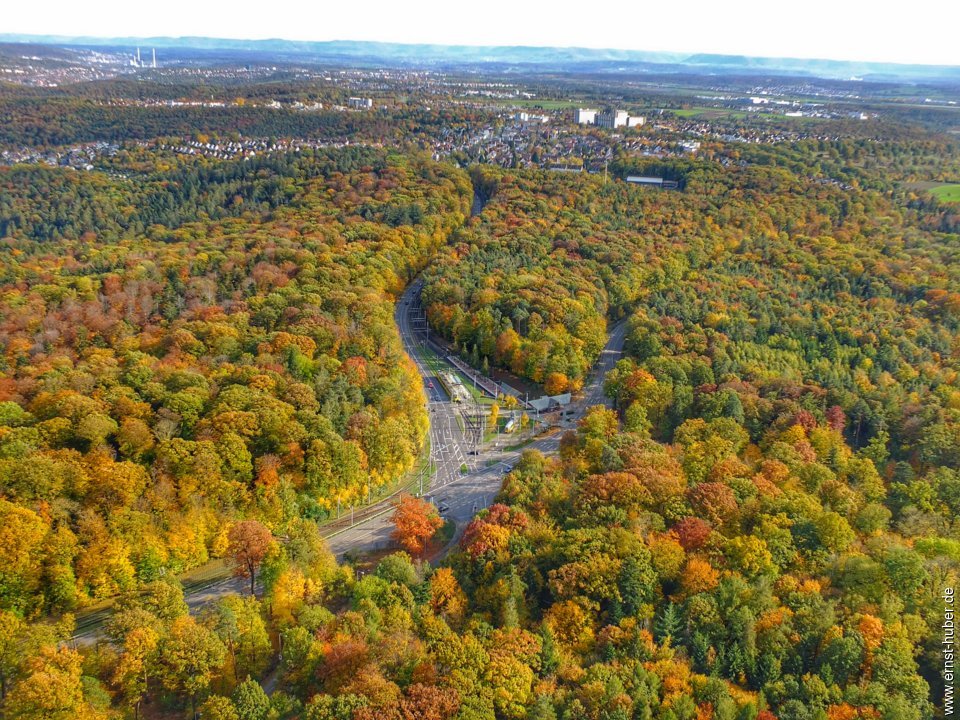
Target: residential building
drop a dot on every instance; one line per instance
(526, 117)
(612, 118)
(360, 103)
(584, 116)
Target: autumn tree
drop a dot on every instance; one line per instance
(446, 596)
(698, 576)
(190, 656)
(556, 383)
(136, 664)
(249, 543)
(692, 532)
(217, 707)
(239, 624)
(429, 702)
(415, 522)
(21, 554)
(52, 689)
(13, 636)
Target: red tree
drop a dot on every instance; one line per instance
(692, 533)
(249, 544)
(836, 418)
(415, 522)
(425, 702)
(714, 501)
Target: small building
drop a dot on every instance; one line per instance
(649, 181)
(526, 117)
(636, 121)
(358, 103)
(642, 180)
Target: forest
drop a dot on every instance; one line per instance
(710, 577)
(753, 293)
(200, 346)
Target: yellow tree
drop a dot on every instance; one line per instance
(190, 656)
(446, 596)
(13, 631)
(52, 689)
(21, 553)
(494, 414)
(556, 383)
(698, 576)
(133, 669)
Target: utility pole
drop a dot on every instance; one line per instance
(483, 431)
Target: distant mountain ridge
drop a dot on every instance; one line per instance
(569, 59)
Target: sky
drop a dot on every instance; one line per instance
(922, 31)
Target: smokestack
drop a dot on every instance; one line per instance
(138, 56)
(154, 58)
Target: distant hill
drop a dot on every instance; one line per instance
(569, 59)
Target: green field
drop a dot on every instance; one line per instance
(947, 193)
(708, 113)
(546, 104)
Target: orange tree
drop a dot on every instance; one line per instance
(249, 544)
(415, 522)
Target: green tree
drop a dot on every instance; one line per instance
(217, 707)
(190, 656)
(669, 623)
(238, 622)
(251, 701)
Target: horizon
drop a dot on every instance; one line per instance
(821, 30)
(59, 39)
